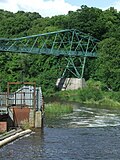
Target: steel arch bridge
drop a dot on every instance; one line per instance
(72, 44)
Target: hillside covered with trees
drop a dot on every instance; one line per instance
(103, 25)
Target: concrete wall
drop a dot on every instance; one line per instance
(38, 119)
(70, 83)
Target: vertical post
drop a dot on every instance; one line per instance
(34, 96)
(15, 98)
(8, 92)
(21, 99)
(34, 102)
(43, 107)
(37, 100)
(83, 67)
(84, 61)
(24, 98)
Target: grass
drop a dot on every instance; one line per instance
(57, 109)
(92, 94)
(109, 102)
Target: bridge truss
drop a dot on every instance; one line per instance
(72, 44)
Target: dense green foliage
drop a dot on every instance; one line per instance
(103, 25)
(93, 93)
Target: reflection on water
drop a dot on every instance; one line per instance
(86, 134)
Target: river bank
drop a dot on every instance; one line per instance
(108, 99)
(93, 93)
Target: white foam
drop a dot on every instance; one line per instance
(96, 118)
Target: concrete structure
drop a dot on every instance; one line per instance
(70, 83)
(38, 119)
(26, 116)
(23, 106)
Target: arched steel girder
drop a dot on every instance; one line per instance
(70, 43)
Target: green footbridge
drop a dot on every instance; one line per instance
(73, 45)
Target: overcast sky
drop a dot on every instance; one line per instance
(55, 7)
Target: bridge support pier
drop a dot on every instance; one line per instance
(70, 83)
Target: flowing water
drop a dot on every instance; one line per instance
(86, 134)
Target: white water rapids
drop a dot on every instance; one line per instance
(92, 117)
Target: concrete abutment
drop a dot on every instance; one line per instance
(70, 83)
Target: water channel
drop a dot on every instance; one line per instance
(88, 133)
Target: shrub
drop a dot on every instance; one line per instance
(87, 94)
(115, 96)
(95, 84)
(109, 102)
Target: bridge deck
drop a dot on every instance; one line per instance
(47, 51)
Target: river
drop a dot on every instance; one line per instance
(88, 133)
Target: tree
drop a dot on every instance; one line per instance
(108, 63)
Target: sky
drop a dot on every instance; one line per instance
(49, 8)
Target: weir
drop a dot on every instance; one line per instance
(22, 108)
